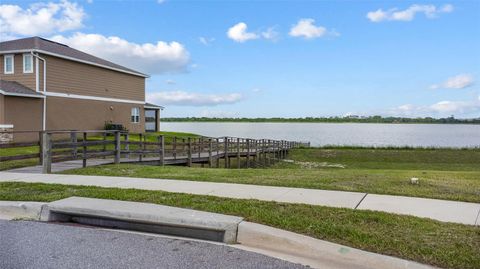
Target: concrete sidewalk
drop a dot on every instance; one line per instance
(442, 210)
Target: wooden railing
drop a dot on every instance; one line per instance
(123, 147)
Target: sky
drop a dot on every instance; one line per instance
(277, 58)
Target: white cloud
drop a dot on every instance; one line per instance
(40, 18)
(408, 14)
(271, 34)
(182, 98)
(239, 33)
(161, 1)
(457, 82)
(307, 29)
(162, 57)
(442, 108)
(205, 40)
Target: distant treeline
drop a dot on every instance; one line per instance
(370, 119)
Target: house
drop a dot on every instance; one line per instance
(45, 85)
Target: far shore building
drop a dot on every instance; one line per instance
(45, 85)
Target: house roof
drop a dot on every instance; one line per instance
(14, 88)
(150, 105)
(46, 46)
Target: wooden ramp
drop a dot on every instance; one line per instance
(63, 150)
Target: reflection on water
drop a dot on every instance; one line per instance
(361, 134)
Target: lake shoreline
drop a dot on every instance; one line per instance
(342, 134)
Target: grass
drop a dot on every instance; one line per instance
(443, 159)
(444, 173)
(427, 241)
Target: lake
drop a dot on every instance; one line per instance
(358, 134)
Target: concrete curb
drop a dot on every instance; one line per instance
(314, 252)
(253, 237)
(145, 217)
(24, 210)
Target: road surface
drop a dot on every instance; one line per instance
(28, 244)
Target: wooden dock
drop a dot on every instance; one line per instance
(69, 148)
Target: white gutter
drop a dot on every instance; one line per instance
(44, 120)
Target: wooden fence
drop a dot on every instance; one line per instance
(123, 147)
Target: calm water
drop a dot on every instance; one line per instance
(363, 134)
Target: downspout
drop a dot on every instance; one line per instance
(44, 120)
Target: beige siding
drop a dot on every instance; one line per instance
(2, 110)
(18, 75)
(26, 115)
(71, 77)
(67, 113)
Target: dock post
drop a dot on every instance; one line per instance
(263, 155)
(210, 160)
(225, 153)
(117, 147)
(189, 152)
(161, 143)
(248, 153)
(217, 159)
(200, 147)
(238, 152)
(47, 153)
(269, 152)
(174, 147)
(256, 151)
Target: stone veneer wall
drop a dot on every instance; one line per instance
(6, 137)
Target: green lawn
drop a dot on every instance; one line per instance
(444, 173)
(446, 245)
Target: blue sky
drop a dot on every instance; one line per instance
(278, 59)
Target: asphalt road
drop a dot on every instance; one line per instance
(26, 244)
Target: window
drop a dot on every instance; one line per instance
(27, 63)
(135, 114)
(8, 64)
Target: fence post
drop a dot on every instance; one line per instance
(227, 162)
(84, 161)
(127, 145)
(40, 147)
(140, 147)
(73, 140)
(210, 160)
(104, 142)
(189, 152)
(117, 147)
(161, 143)
(46, 153)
